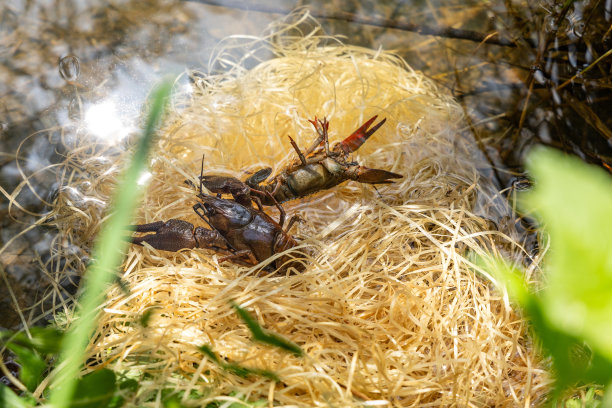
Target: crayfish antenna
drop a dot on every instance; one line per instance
(201, 173)
(359, 137)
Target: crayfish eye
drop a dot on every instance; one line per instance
(210, 210)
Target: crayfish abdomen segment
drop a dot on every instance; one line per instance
(308, 180)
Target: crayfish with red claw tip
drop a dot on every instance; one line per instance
(317, 168)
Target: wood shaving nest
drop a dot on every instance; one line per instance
(390, 310)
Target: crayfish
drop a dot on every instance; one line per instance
(317, 168)
(247, 235)
(244, 234)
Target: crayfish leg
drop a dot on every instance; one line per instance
(281, 210)
(320, 135)
(293, 220)
(297, 149)
(321, 126)
(325, 126)
(257, 202)
(240, 254)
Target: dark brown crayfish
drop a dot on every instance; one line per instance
(247, 235)
(317, 168)
(244, 234)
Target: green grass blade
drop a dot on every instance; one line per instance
(208, 352)
(107, 256)
(263, 336)
(236, 369)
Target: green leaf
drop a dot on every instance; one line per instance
(10, 400)
(126, 387)
(263, 336)
(246, 372)
(172, 399)
(572, 316)
(146, 317)
(129, 385)
(574, 202)
(32, 365)
(573, 360)
(95, 389)
(589, 400)
(45, 340)
(509, 276)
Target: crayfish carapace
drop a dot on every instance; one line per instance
(244, 235)
(317, 168)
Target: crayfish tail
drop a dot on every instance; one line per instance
(374, 176)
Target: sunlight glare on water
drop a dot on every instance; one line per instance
(103, 121)
(144, 178)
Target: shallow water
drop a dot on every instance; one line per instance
(86, 66)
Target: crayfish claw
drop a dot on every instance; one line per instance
(359, 137)
(151, 227)
(171, 235)
(220, 185)
(240, 256)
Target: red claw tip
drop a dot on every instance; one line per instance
(355, 140)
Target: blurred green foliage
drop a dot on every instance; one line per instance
(104, 388)
(35, 351)
(572, 315)
(107, 256)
